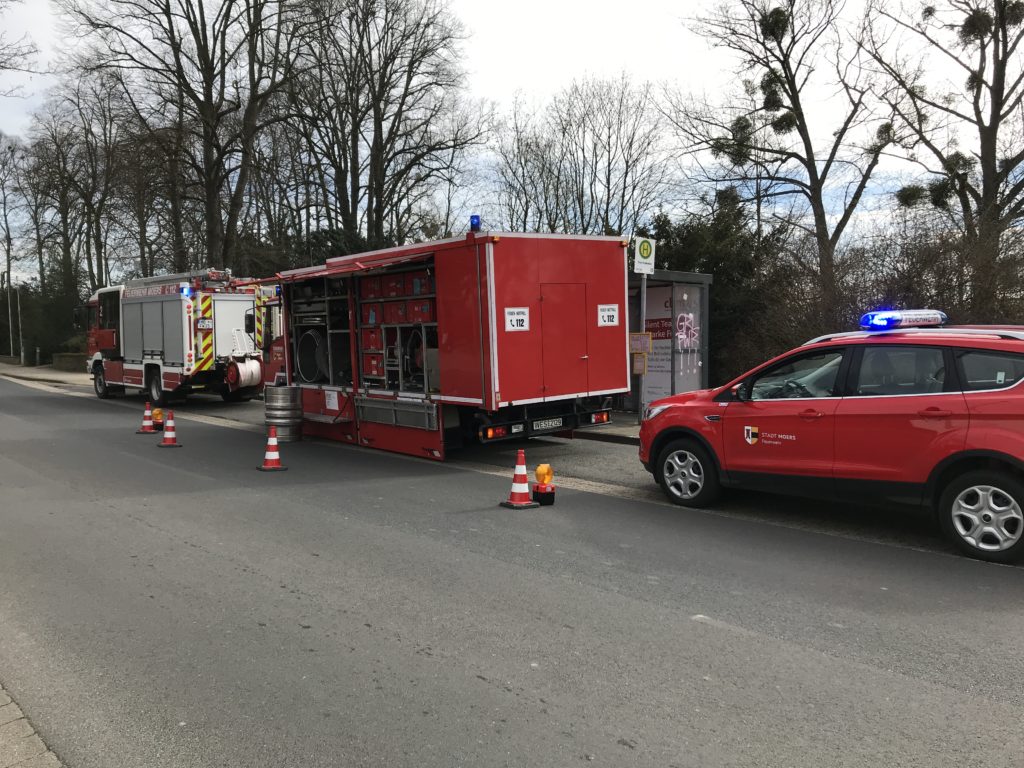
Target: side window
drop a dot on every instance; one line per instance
(990, 370)
(109, 310)
(901, 370)
(804, 376)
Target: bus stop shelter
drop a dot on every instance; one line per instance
(677, 321)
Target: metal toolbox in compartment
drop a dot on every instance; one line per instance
(371, 340)
(400, 413)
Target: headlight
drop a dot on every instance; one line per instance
(654, 410)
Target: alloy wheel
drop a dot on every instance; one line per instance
(988, 518)
(684, 475)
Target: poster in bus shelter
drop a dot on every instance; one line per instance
(658, 323)
(674, 321)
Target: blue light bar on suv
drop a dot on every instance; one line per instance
(887, 319)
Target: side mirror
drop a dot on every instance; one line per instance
(250, 323)
(739, 391)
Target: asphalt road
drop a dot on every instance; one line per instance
(178, 608)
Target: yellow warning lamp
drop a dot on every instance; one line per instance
(158, 415)
(545, 474)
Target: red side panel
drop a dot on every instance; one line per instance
(569, 348)
(323, 420)
(113, 371)
(459, 326)
(414, 442)
(171, 381)
(275, 363)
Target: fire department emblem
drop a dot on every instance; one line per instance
(750, 434)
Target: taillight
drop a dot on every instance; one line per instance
(600, 418)
(491, 433)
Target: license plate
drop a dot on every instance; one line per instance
(546, 424)
(204, 324)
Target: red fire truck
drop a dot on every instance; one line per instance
(174, 334)
(423, 348)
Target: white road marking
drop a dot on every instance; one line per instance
(702, 619)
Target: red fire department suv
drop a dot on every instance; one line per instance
(904, 411)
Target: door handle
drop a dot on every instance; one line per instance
(585, 357)
(811, 414)
(934, 413)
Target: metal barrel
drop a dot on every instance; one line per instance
(284, 411)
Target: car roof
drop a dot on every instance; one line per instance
(1005, 337)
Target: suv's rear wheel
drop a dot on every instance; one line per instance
(982, 513)
(688, 474)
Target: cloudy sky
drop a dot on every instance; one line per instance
(534, 47)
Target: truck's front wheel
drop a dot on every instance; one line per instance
(99, 383)
(156, 390)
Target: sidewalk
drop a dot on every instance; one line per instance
(45, 373)
(20, 747)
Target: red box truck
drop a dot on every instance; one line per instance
(427, 347)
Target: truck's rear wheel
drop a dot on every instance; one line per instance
(99, 383)
(156, 390)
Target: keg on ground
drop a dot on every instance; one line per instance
(284, 411)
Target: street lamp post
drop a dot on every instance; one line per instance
(21, 338)
(6, 282)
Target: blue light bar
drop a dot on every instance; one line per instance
(887, 319)
(474, 222)
(186, 291)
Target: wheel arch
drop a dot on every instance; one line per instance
(677, 433)
(967, 461)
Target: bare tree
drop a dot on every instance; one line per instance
(32, 183)
(220, 64)
(14, 54)
(792, 53)
(10, 157)
(591, 162)
(969, 134)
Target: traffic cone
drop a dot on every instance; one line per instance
(147, 422)
(519, 497)
(272, 457)
(170, 437)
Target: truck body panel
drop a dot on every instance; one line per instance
(419, 348)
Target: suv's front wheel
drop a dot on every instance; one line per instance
(688, 474)
(982, 513)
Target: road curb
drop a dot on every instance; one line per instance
(606, 437)
(20, 745)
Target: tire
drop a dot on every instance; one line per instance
(982, 514)
(238, 396)
(687, 474)
(157, 396)
(99, 383)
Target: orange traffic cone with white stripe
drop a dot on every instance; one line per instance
(147, 422)
(170, 436)
(519, 497)
(272, 456)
